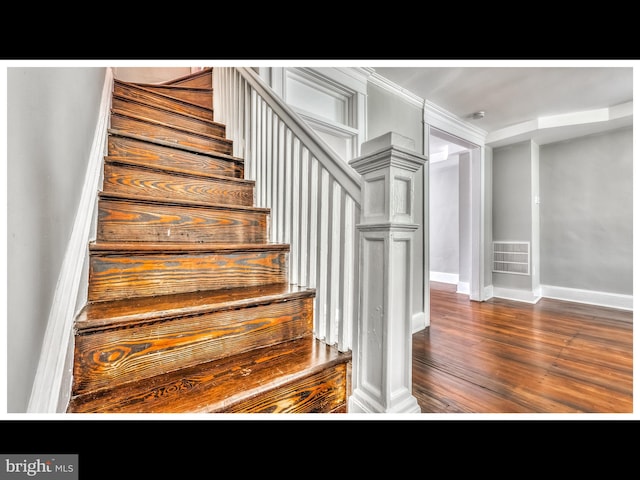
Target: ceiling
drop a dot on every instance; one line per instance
(544, 104)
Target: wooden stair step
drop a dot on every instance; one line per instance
(137, 269)
(164, 154)
(202, 97)
(201, 79)
(128, 312)
(300, 376)
(166, 116)
(170, 134)
(140, 218)
(139, 92)
(131, 177)
(132, 339)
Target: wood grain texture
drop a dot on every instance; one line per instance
(139, 92)
(170, 134)
(157, 154)
(199, 79)
(502, 356)
(140, 109)
(160, 271)
(135, 179)
(131, 312)
(147, 219)
(113, 356)
(222, 386)
(202, 97)
(323, 392)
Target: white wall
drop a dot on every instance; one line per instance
(51, 119)
(444, 227)
(149, 74)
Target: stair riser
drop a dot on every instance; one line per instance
(323, 392)
(202, 98)
(113, 357)
(113, 277)
(131, 180)
(172, 135)
(173, 158)
(131, 221)
(135, 93)
(125, 107)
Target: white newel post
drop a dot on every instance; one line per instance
(382, 340)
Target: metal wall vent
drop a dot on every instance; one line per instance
(511, 257)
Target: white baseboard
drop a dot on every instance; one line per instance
(418, 322)
(488, 292)
(463, 287)
(591, 297)
(443, 277)
(528, 296)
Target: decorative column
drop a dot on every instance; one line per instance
(382, 336)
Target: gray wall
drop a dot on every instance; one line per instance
(51, 118)
(512, 204)
(443, 216)
(586, 218)
(390, 113)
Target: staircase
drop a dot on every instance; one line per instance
(189, 307)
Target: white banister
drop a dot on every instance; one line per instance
(314, 196)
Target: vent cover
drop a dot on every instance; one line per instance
(511, 257)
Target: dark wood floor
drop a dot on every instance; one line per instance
(501, 356)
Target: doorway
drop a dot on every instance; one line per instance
(455, 210)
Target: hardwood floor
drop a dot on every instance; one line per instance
(501, 356)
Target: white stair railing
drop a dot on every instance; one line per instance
(314, 196)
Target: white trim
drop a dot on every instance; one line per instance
(488, 292)
(444, 277)
(441, 119)
(585, 117)
(591, 297)
(519, 295)
(418, 322)
(49, 375)
(391, 87)
(464, 288)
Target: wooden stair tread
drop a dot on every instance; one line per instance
(150, 165)
(171, 87)
(218, 385)
(186, 148)
(149, 96)
(180, 203)
(169, 111)
(168, 88)
(170, 126)
(171, 247)
(133, 311)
